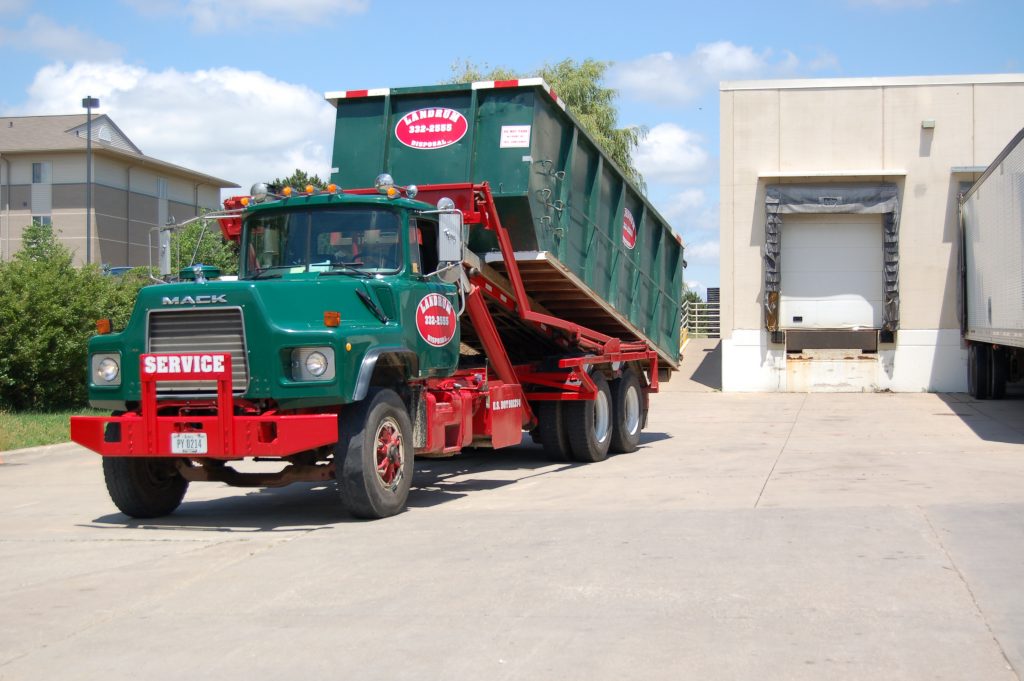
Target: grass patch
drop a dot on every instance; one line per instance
(32, 429)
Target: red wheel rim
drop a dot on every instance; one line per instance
(389, 453)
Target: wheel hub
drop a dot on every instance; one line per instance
(390, 453)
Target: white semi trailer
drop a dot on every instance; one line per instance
(992, 274)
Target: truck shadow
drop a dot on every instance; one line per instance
(308, 507)
(991, 420)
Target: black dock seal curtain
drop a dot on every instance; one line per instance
(832, 198)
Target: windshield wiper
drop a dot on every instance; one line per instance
(374, 307)
(346, 268)
(270, 272)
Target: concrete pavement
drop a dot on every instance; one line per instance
(751, 537)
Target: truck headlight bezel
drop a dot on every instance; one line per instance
(106, 370)
(313, 364)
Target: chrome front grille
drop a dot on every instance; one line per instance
(216, 330)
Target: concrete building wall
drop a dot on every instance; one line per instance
(857, 130)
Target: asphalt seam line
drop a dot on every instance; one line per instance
(796, 418)
(970, 592)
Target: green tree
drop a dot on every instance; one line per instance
(298, 180)
(48, 310)
(213, 248)
(691, 296)
(579, 85)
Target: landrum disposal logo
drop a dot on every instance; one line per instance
(628, 230)
(435, 320)
(431, 128)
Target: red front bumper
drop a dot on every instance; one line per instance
(223, 436)
(241, 436)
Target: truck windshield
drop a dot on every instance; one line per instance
(323, 240)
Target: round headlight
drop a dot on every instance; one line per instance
(411, 191)
(316, 363)
(444, 203)
(107, 369)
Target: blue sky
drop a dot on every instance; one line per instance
(234, 87)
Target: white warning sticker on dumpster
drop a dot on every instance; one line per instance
(515, 136)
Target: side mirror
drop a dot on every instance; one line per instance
(449, 238)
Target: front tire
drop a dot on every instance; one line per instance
(627, 413)
(589, 423)
(374, 459)
(144, 487)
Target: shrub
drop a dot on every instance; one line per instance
(48, 309)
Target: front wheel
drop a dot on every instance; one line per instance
(589, 423)
(374, 458)
(144, 487)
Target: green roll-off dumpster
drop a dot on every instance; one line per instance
(590, 247)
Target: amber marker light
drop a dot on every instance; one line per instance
(332, 189)
(310, 189)
(244, 201)
(287, 191)
(332, 318)
(103, 326)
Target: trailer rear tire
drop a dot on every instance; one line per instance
(374, 459)
(144, 487)
(551, 431)
(999, 366)
(589, 423)
(978, 372)
(627, 413)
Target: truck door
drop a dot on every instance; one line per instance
(431, 309)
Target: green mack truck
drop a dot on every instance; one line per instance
(521, 285)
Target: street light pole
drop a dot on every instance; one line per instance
(89, 103)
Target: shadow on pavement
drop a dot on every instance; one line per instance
(305, 507)
(991, 420)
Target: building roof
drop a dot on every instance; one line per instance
(35, 134)
(897, 81)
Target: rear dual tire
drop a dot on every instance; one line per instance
(589, 423)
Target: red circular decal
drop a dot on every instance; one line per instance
(431, 128)
(628, 230)
(435, 320)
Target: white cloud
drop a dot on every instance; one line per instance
(242, 126)
(12, 6)
(41, 34)
(673, 154)
(676, 79)
(690, 211)
(705, 253)
(209, 16)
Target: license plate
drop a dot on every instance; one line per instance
(188, 443)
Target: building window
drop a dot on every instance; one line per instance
(44, 220)
(105, 134)
(41, 172)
